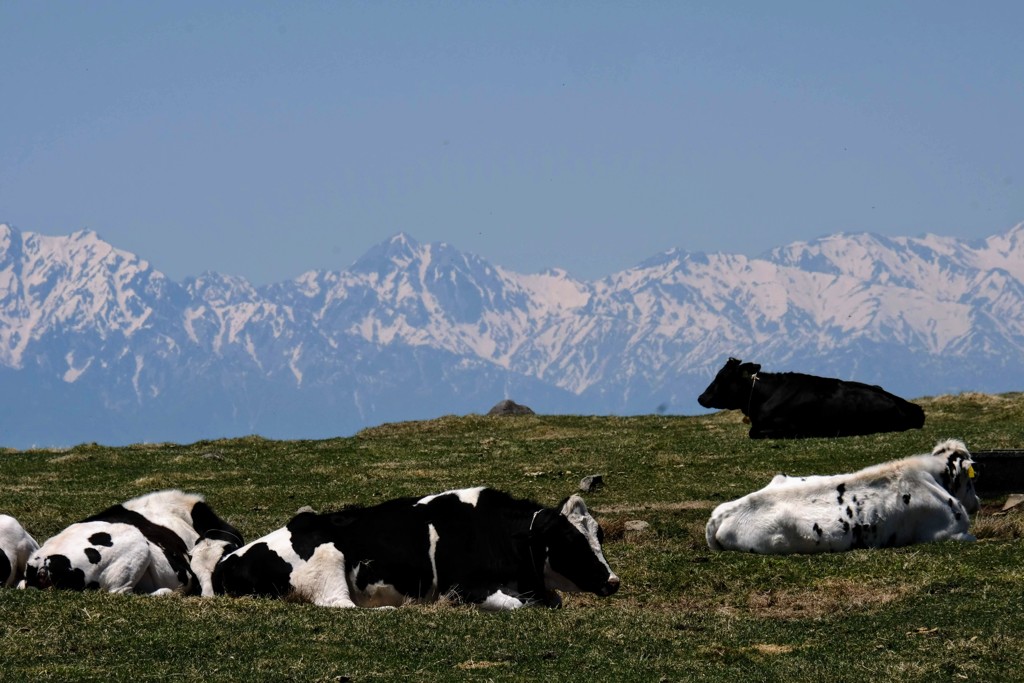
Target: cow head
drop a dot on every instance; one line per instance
(730, 390)
(958, 474)
(571, 539)
(54, 571)
(208, 551)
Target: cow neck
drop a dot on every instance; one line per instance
(750, 399)
(537, 567)
(224, 535)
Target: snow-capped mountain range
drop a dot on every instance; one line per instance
(96, 345)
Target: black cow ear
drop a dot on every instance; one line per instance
(750, 369)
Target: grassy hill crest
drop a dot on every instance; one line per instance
(948, 610)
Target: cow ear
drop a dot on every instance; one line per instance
(949, 447)
(750, 369)
(574, 506)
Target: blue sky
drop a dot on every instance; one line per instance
(266, 139)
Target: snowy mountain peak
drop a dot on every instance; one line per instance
(7, 233)
(399, 251)
(671, 258)
(416, 330)
(85, 235)
(1004, 251)
(220, 289)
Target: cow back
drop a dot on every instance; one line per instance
(798, 405)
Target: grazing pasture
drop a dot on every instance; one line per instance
(943, 611)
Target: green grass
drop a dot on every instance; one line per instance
(944, 611)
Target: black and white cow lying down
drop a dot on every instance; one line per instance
(788, 405)
(141, 546)
(476, 545)
(15, 547)
(914, 500)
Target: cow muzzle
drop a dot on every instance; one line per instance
(610, 586)
(41, 579)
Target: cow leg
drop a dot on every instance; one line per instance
(760, 429)
(767, 433)
(770, 428)
(948, 532)
(205, 557)
(127, 571)
(159, 577)
(940, 518)
(8, 569)
(499, 601)
(321, 579)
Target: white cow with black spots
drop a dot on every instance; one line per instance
(917, 499)
(15, 547)
(140, 546)
(475, 545)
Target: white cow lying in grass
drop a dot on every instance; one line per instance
(914, 500)
(15, 547)
(141, 546)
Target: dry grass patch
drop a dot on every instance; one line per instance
(954, 405)
(41, 483)
(771, 649)
(72, 458)
(473, 665)
(827, 598)
(390, 465)
(955, 400)
(970, 404)
(547, 432)
(655, 507)
(333, 471)
(994, 524)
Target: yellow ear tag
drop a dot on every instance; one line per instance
(970, 472)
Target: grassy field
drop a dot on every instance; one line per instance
(945, 611)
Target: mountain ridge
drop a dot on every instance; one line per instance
(414, 330)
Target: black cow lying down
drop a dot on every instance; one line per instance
(793, 405)
(477, 545)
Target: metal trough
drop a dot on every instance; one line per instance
(999, 472)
